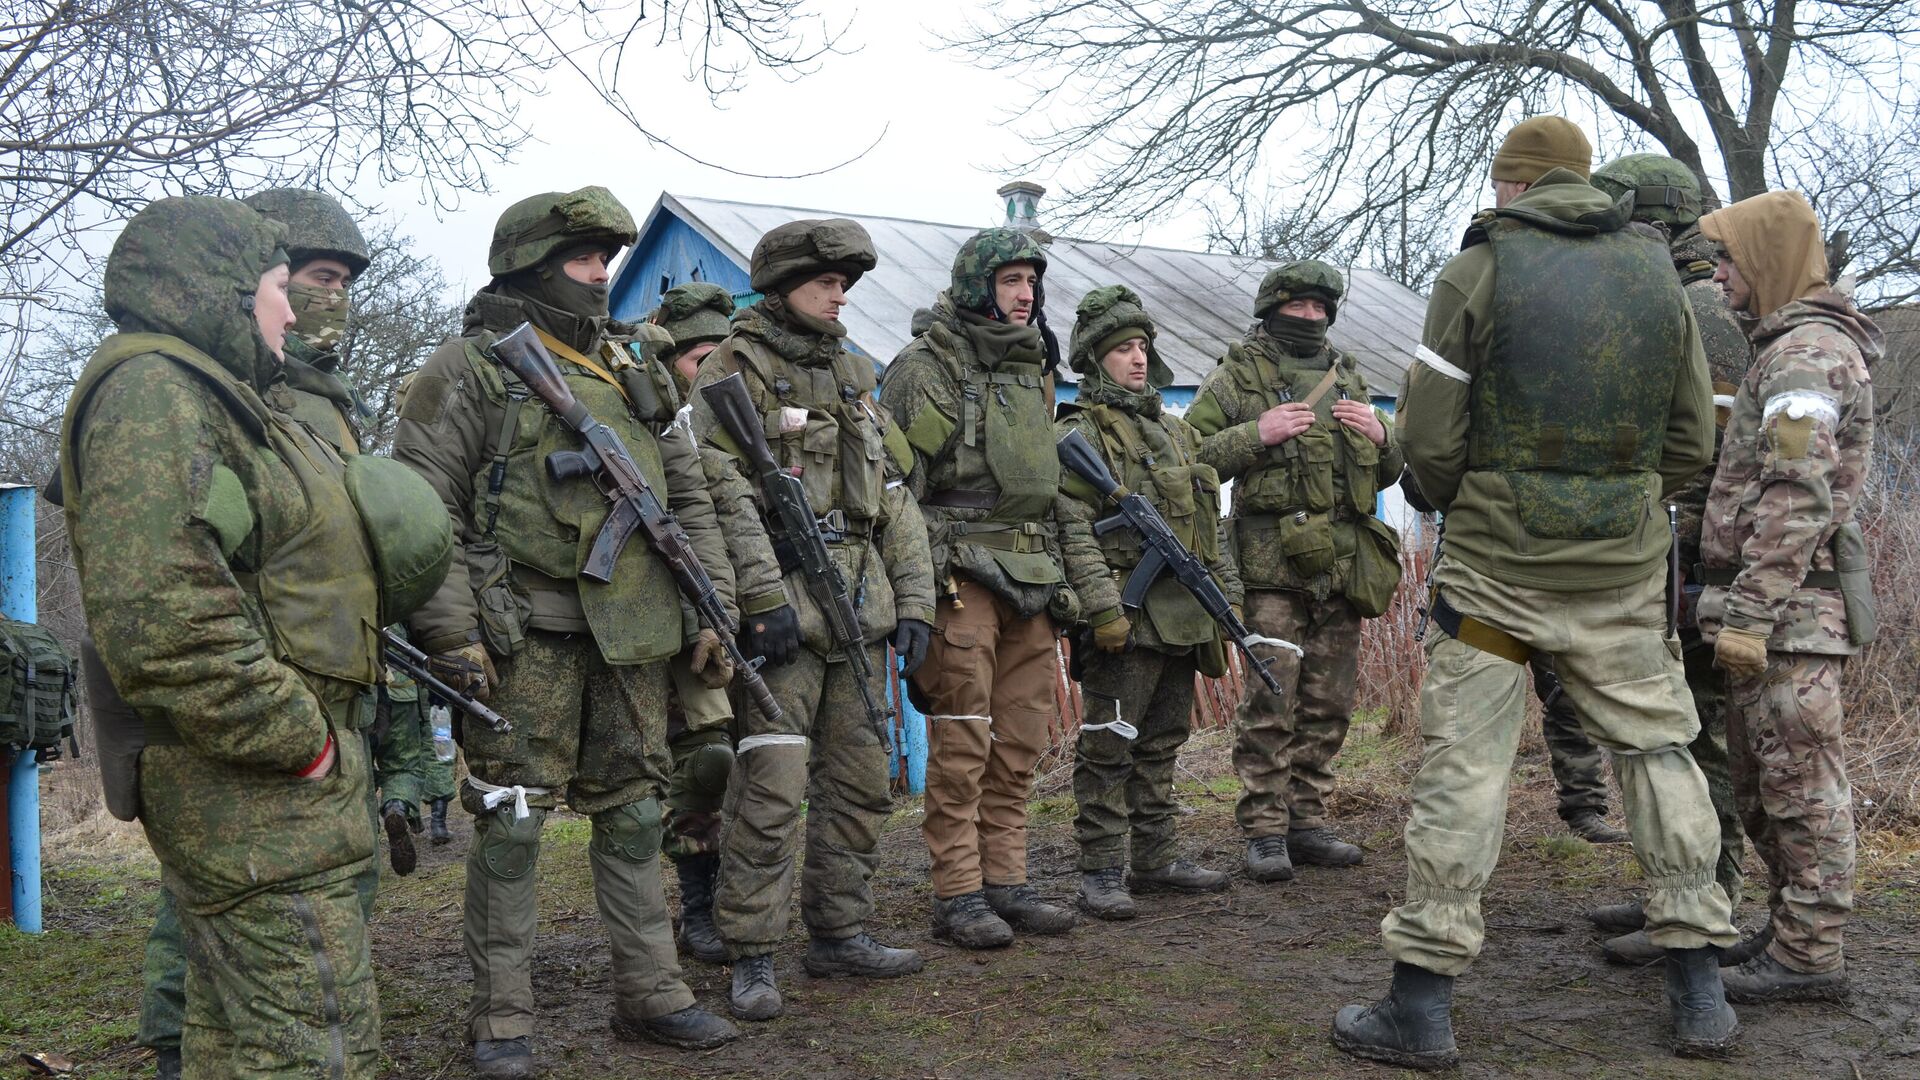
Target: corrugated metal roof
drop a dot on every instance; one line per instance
(1199, 301)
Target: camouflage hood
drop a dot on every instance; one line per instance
(1104, 318)
(1775, 241)
(1829, 306)
(188, 268)
(694, 312)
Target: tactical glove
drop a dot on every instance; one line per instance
(709, 661)
(910, 638)
(775, 635)
(467, 669)
(1743, 653)
(1115, 636)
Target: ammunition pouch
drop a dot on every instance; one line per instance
(1307, 541)
(504, 609)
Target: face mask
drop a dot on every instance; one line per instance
(319, 315)
(1302, 337)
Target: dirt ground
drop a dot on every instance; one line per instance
(1242, 983)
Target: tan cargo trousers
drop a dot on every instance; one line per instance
(987, 690)
(1608, 648)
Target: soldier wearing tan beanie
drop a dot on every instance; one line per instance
(1539, 144)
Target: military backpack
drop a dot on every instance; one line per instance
(36, 689)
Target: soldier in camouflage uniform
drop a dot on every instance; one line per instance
(198, 513)
(1291, 419)
(1667, 196)
(974, 396)
(1137, 676)
(583, 666)
(824, 753)
(1560, 395)
(1788, 594)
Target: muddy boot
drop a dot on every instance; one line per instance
(1632, 950)
(1267, 859)
(969, 922)
(1104, 895)
(858, 956)
(504, 1059)
(1023, 910)
(692, 1028)
(1763, 979)
(166, 1063)
(437, 824)
(1591, 826)
(1703, 1022)
(1319, 847)
(1619, 918)
(698, 937)
(1177, 876)
(400, 851)
(1411, 1027)
(754, 996)
(1748, 948)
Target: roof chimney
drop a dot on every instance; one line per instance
(1023, 204)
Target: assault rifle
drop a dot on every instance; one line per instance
(1433, 562)
(635, 506)
(401, 654)
(788, 509)
(1163, 553)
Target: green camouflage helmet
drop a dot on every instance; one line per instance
(535, 229)
(318, 227)
(695, 312)
(1664, 189)
(811, 246)
(985, 252)
(1308, 278)
(1100, 319)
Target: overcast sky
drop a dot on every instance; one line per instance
(945, 141)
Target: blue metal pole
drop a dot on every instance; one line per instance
(18, 601)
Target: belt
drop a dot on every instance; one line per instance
(1723, 576)
(962, 499)
(1486, 637)
(1025, 537)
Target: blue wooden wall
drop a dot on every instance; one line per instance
(670, 253)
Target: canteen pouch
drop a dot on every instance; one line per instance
(1851, 562)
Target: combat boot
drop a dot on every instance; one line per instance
(858, 956)
(437, 824)
(1703, 1023)
(1319, 847)
(1748, 948)
(1267, 859)
(969, 922)
(1411, 1027)
(1104, 895)
(1763, 979)
(692, 1028)
(1178, 876)
(1619, 918)
(166, 1063)
(754, 995)
(504, 1059)
(1591, 826)
(1632, 950)
(1023, 910)
(698, 936)
(393, 815)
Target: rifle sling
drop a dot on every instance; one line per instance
(567, 352)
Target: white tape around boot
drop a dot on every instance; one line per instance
(492, 796)
(752, 741)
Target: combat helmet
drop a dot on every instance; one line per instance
(695, 312)
(1663, 188)
(318, 227)
(1307, 278)
(985, 252)
(810, 246)
(535, 229)
(1106, 317)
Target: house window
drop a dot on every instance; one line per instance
(666, 283)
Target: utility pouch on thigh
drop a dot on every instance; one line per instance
(503, 611)
(1307, 542)
(1851, 562)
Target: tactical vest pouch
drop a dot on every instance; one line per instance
(36, 688)
(1311, 459)
(816, 450)
(1851, 562)
(1361, 460)
(1019, 447)
(863, 465)
(1211, 659)
(1375, 576)
(1579, 506)
(504, 610)
(1177, 617)
(1307, 542)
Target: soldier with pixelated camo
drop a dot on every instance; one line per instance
(1788, 592)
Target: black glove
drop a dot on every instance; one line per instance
(775, 635)
(910, 638)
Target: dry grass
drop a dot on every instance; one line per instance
(1882, 685)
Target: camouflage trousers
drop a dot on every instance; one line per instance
(1608, 648)
(1790, 778)
(401, 754)
(823, 756)
(592, 733)
(1579, 768)
(1124, 785)
(693, 813)
(1284, 745)
(281, 984)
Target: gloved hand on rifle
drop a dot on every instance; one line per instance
(775, 635)
(910, 638)
(467, 669)
(710, 660)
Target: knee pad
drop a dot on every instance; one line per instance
(630, 832)
(703, 760)
(508, 848)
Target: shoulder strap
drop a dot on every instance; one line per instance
(502, 445)
(1325, 384)
(568, 352)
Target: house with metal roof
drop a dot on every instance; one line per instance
(1200, 301)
